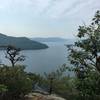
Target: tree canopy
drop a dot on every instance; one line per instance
(85, 53)
(85, 58)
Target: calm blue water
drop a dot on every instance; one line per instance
(45, 60)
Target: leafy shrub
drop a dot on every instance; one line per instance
(16, 80)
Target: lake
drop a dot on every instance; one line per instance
(45, 60)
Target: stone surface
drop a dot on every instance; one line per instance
(39, 96)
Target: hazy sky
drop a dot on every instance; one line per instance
(45, 18)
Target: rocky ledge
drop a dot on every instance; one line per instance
(39, 96)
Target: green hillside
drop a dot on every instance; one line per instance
(21, 42)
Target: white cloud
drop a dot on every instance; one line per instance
(46, 16)
(51, 8)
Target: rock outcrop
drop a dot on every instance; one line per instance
(39, 96)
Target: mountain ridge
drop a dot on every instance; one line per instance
(21, 42)
(49, 39)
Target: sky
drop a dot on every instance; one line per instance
(45, 18)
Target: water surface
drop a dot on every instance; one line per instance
(45, 60)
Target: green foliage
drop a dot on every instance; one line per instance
(85, 58)
(62, 84)
(36, 79)
(16, 80)
(57, 73)
(3, 88)
(86, 50)
(89, 88)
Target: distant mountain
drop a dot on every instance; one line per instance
(50, 39)
(21, 42)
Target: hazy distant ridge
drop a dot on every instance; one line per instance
(50, 39)
(21, 42)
